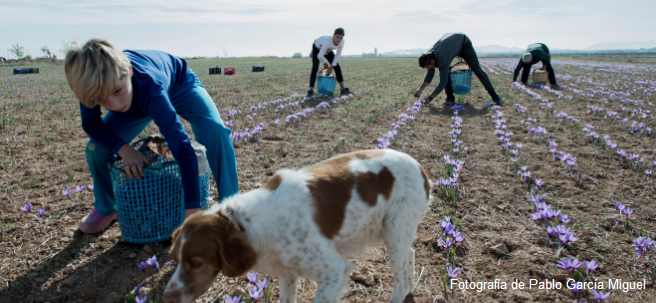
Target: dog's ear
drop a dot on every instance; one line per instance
(235, 251)
(174, 243)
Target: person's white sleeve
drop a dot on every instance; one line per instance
(339, 53)
(322, 53)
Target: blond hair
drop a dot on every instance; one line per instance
(95, 70)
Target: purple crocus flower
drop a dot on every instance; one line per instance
(563, 218)
(457, 236)
(79, 189)
(453, 272)
(27, 208)
(449, 229)
(140, 299)
(568, 237)
(255, 293)
(538, 182)
(561, 229)
(142, 266)
(252, 277)
(152, 261)
(448, 243)
(90, 187)
(136, 290)
(67, 192)
(601, 296)
(619, 206)
(592, 265)
(627, 211)
(40, 212)
(234, 299)
(262, 284)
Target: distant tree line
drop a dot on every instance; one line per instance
(20, 52)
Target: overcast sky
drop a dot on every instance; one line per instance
(283, 27)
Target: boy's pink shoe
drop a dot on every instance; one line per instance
(95, 222)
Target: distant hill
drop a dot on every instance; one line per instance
(622, 45)
(497, 49)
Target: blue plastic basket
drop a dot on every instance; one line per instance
(326, 85)
(461, 82)
(152, 207)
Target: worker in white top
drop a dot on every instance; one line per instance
(322, 49)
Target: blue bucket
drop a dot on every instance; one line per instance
(326, 85)
(152, 207)
(461, 81)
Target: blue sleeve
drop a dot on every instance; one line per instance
(429, 75)
(94, 126)
(444, 74)
(159, 107)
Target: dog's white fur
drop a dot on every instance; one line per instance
(289, 243)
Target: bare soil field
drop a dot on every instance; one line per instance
(42, 153)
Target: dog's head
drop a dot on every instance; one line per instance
(203, 246)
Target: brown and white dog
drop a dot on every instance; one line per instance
(304, 224)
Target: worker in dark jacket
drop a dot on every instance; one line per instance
(441, 55)
(536, 52)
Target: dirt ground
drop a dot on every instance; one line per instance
(42, 153)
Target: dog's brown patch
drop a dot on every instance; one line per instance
(272, 183)
(370, 185)
(331, 188)
(426, 183)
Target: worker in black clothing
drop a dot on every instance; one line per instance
(536, 52)
(440, 57)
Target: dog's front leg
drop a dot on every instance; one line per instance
(288, 283)
(333, 284)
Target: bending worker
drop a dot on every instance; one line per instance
(441, 55)
(536, 52)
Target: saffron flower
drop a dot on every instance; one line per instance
(453, 272)
(90, 187)
(142, 266)
(67, 192)
(448, 243)
(252, 277)
(40, 212)
(27, 208)
(601, 296)
(234, 299)
(262, 284)
(140, 299)
(627, 211)
(255, 293)
(592, 265)
(152, 261)
(79, 189)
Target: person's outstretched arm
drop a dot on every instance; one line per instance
(444, 74)
(519, 67)
(430, 73)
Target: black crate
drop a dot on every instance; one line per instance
(258, 68)
(215, 70)
(22, 71)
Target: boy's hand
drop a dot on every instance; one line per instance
(418, 92)
(133, 161)
(329, 71)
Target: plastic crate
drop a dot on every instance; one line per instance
(152, 207)
(215, 70)
(326, 85)
(461, 81)
(258, 68)
(230, 71)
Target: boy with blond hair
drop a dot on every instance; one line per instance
(137, 87)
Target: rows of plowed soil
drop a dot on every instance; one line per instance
(42, 152)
